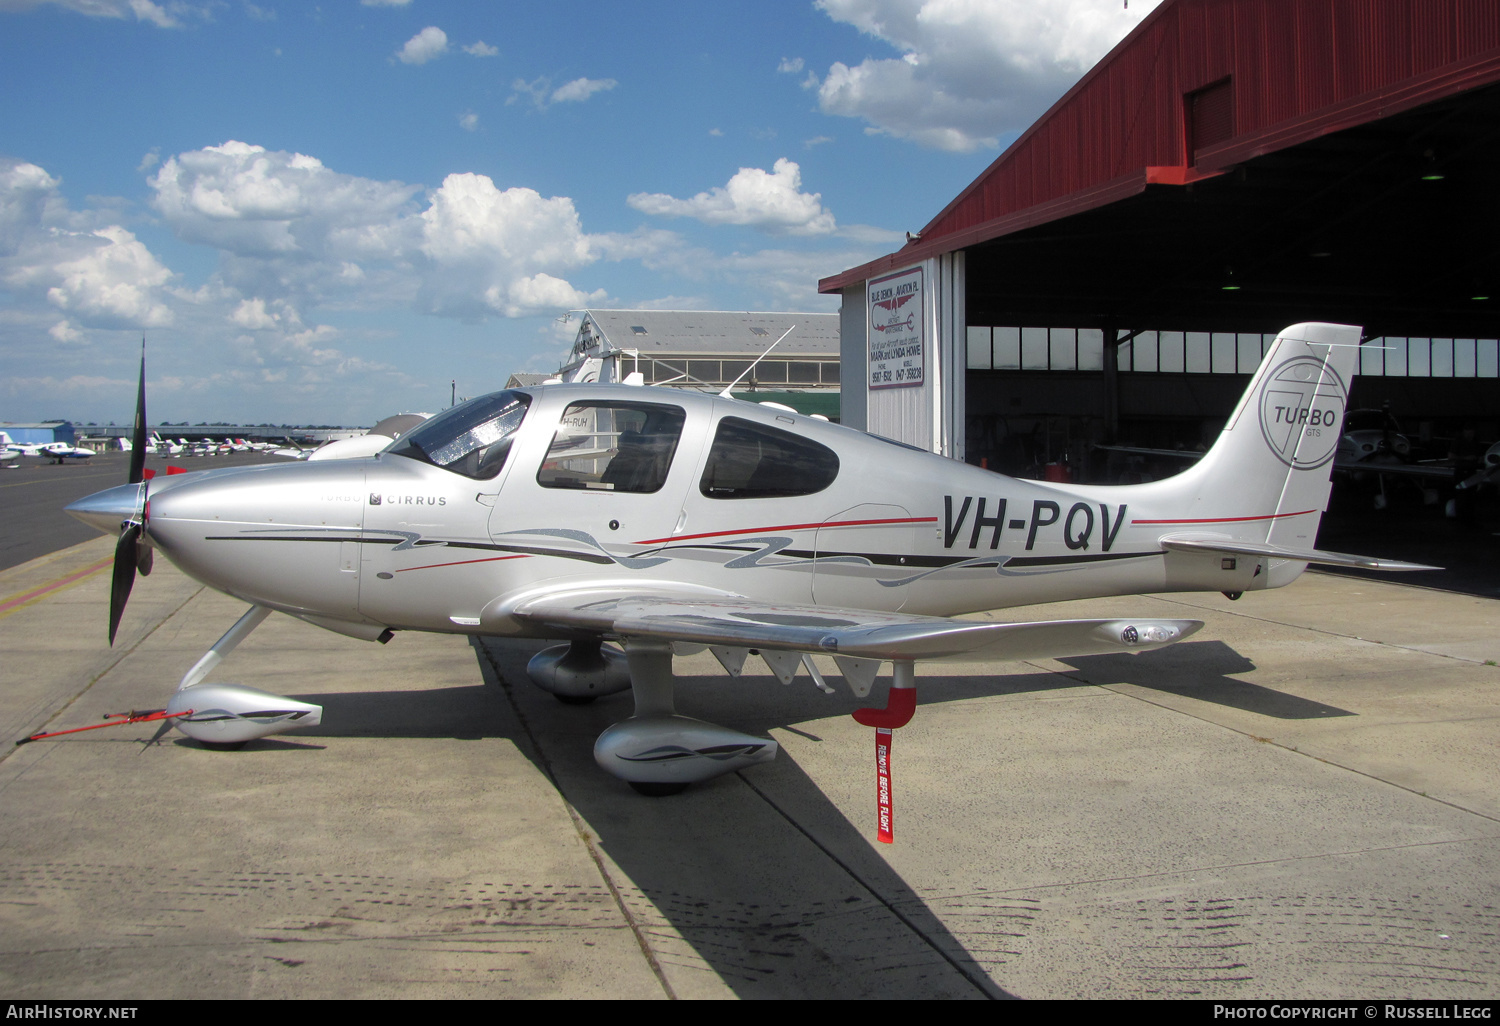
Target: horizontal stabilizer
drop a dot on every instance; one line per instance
(743, 623)
(1431, 471)
(1240, 548)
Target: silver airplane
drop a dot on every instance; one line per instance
(648, 519)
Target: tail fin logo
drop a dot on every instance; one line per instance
(1302, 412)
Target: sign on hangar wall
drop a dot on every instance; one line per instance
(895, 319)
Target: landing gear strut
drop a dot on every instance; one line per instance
(657, 751)
(225, 716)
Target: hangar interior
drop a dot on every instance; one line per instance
(1230, 168)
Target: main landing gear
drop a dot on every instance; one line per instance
(656, 751)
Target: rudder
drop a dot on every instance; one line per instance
(1268, 475)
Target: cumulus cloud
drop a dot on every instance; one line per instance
(790, 65)
(424, 46)
(253, 315)
(479, 48)
(292, 231)
(968, 72)
(64, 332)
(26, 193)
(770, 201)
(101, 277)
(494, 250)
(540, 92)
(468, 121)
(142, 10)
(113, 283)
(145, 10)
(255, 203)
(581, 89)
(384, 3)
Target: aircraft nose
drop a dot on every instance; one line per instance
(107, 509)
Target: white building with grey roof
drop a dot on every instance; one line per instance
(707, 350)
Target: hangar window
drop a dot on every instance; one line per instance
(472, 439)
(756, 461)
(1392, 357)
(613, 447)
(1049, 349)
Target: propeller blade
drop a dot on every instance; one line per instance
(138, 435)
(124, 576)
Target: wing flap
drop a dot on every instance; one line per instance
(1241, 548)
(743, 623)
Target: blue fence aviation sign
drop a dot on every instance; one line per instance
(1302, 412)
(895, 319)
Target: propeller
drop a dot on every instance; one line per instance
(133, 550)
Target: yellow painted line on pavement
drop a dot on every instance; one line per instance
(21, 601)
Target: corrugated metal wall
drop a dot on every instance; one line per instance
(1292, 64)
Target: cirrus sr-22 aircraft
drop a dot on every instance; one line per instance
(604, 515)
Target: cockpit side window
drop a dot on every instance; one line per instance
(613, 446)
(756, 461)
(472, 439)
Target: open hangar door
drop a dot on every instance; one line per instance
(1139, 321)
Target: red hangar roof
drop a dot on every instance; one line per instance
(1331, 158)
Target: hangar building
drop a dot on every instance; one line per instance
(708, 350)
(44, 433)
(1231, 167)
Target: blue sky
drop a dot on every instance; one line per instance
(324, 213)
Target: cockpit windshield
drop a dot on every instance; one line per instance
(472, 439)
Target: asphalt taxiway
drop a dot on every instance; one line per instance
(1301, 801)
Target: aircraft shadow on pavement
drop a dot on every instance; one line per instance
(1201, 670)
(759, 873)
(468, 713)
(776, 906)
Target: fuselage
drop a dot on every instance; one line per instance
(397, 542)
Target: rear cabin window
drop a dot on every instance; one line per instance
(754, 461)
(613, 447)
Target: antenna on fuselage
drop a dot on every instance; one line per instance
(725, 394)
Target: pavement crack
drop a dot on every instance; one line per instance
(981, 983)
(578, 825)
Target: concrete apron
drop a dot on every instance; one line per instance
(1302, 801)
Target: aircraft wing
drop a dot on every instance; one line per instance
(857, 634)
(1240, 548)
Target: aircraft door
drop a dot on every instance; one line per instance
(862, 554)
(613, 474)
(326, 563)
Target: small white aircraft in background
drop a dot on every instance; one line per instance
(56, 452)
(165, 446)
(653, 518)
(292, 451)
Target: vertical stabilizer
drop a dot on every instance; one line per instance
(1267, 478)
